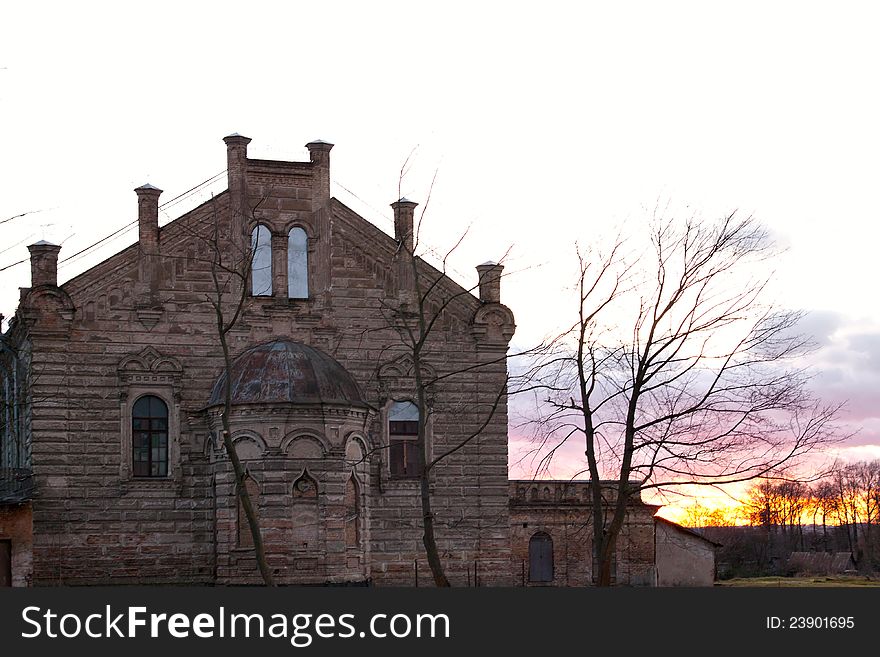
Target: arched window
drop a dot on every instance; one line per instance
(245, 537)
(305, 514)
(297, 264)
(403, 437)
(352, 514)
(541, 558)
(261, 262)
(149, 432)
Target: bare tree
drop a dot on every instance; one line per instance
(824, 503)
(676, 371)
(697, 515)
(425, 299)
(847, 507)
(856, 494)
(233, 262)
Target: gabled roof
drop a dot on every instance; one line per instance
(384, 246)
(685, 530)
(128, 255)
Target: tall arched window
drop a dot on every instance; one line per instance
(297, 264)
(305, 514)
(149, 434)
(261, 262)
(403, 437)
(541, 558)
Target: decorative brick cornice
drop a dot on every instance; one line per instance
(47, 310)
(493, 325)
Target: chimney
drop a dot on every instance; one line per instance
(148, 217)
(236, 157)
(236, 183)
(322, 218)
(404, 210)
(44, 263)
(490, 282)
(319, 154)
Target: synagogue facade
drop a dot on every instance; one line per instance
(114, 383)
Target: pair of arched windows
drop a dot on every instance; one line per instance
(297, 263)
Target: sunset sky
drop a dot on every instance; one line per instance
(545, 127)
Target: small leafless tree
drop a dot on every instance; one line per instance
(231, 255)
(417, 314)
(676, 371)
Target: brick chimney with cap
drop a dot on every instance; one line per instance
(148, 218)
(236, 160)
(319, 156)
(236, 180)
(44, 263)
(404, 213)
(490, 282)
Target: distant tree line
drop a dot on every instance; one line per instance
(837, 514)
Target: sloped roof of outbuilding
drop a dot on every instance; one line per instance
(283, 371)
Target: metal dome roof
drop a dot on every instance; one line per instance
(283, 371)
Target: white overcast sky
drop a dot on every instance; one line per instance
(546, 122)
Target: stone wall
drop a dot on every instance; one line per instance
(563, 510)
(683, 557)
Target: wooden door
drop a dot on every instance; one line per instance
(541, 558)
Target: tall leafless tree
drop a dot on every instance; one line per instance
(417, 315)
(677, 372)
(231, 256)
(824, 503)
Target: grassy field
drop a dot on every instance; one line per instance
(807, 581)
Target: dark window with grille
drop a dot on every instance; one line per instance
(149, 437)
(541, 558)
(403, 435)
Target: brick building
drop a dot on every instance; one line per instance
(113, 382)
(551, 536)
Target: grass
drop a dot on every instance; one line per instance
(836, 581)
